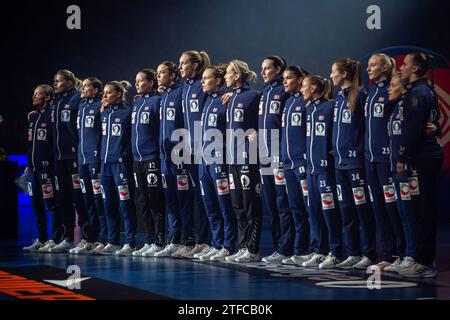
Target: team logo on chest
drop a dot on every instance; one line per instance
(296, 119)
(346, 116)
(378, 110)
(65, 116)
(170, 114)
(396, 127)
(212, 120)
(104, 128)
(116, 129)
(320, 129)
(261, 104)
(193, 104)
(41, 134)
(275, 107)
(145, 118)
(239, 115)
(89, 122)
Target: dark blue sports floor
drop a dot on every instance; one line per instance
(188, 279)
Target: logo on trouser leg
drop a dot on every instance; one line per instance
(359, 196)
(182, 182)
(30, 189)
(76, 184)
(47, 191)
(304, 185)
(414, 185)
(339, 192)
(389, 193)
(96, 187)
(83, 187)
(278, 175)
(124, 193)
(152, 180)
(222, 186)
(164, 182)
(405, 194)
(232, 186)
(245, 182)
(327, 201)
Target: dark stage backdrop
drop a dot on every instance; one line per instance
(117, 38)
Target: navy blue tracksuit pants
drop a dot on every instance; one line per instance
(92, 193)
(202, 231)
(408, 206)
(150, 199)
(326, 225)
(68, 195)
(383, 198)
(276, 206)
(425, 190)
(215, 190)
(41, 189)
(356, 213)
(179, 197)
(118, 185)
(297, 192)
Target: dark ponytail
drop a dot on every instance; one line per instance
(97, 84)
(150, 75)
(173, 69)
(424, 62)
(278, 62)
(324, 86)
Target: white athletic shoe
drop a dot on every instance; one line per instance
(151, 252)
(80, 245)
(274, 258)
(126, 250)
(233, 257)
(97, 249)
(394, 267)
(363, 264)
(109, 249)
(248, 257)
(47, 246)
(418, 270)
(349, 263)
(203, 252)
(63, 246)
(86, 249)
(298, 260)
(211, 253)
(197, 249)
(221, 255)
(407, 262)
(315, 260)
(142, 250)
(181, 251)
(168, 250)
(34, 247)
(330, 262)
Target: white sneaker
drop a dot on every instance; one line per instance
(418, 270)
(248, 257)
(151, 252)
(393, 267)
(233, 257)
(349, 262)
(97, 249)
(315, 260)
(211, 253)
(407, 262)
(126, 250)
(86, 249)
(142, 250)
(168, 250)
(203, 252)
(80, 245)
(181, 251)
(109, 249)
(274, 258)
(298, 260)
(363, 264)
(221, 255)
(330, 262)
(34, 247)
(61, 247)
(47, 246)
(197, 249)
